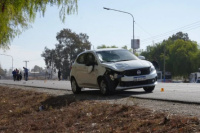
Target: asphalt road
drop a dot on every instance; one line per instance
(179, 92)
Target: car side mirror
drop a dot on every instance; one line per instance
(141, 57)
(155, 64)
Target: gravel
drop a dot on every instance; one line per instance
(172, 108)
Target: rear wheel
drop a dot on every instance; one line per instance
(149, 89)
(75, 88)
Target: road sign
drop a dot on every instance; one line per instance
(135, 44)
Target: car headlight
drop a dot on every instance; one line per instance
(113, 74)
(152, 68)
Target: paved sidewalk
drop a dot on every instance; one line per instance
(53, 84)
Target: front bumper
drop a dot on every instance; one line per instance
(131, 82)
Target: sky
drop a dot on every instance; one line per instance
(154, 21)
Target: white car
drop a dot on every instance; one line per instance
(110, 70)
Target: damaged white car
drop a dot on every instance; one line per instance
(110, 70)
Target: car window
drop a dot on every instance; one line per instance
(81, 59)
(90, 58)
(115, 55)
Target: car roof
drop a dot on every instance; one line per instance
(103, 49)
(107, 49)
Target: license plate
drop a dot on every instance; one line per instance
(140, 78)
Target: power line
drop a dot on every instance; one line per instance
(167, 35)
(185, 28)
(143, 29)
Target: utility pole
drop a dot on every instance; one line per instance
(164, 66)
(51, 66)
(26, 63)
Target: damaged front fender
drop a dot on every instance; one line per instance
(113, 76)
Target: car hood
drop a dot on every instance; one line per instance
(127, 65)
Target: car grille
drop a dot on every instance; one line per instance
(133, 72)
(135, 83)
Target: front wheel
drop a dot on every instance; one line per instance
(75, 88)
(106, 86)
(149, 89)
(103, 87)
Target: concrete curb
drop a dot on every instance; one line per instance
(167, 100)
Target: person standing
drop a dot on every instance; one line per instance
(20, 76)
(14, 74)
(25, 73)
(17, 74)
(59, 74)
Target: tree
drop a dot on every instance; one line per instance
(37, 69)
(125, 47)
(179, 35)
(196, 61)
(157, 49)
(2, 72)
(70, 45)
(48, 56)
(17, 15)
(181, 57)
(156, 52)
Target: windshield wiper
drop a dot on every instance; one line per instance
(108, 61)
(123, 60)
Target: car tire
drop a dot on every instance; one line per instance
(106, 87)
(75, 88)
(149, 89)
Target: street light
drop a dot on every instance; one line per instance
(11, 57)
(126, 13)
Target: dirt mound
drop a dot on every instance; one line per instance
(28, 111)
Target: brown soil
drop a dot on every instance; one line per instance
(28, 111)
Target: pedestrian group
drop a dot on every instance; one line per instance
(17, 75)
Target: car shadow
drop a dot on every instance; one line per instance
(131, 93)
(65, 100)
(96, 95)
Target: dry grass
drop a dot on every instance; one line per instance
(19, 112)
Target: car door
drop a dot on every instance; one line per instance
(90, 76)
(80, 69)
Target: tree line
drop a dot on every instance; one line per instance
(180, 55)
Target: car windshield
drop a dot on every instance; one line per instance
(115, 55)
